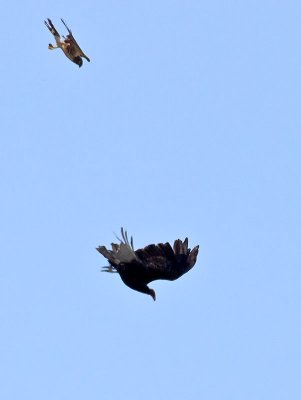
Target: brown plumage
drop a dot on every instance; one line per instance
(69, 45)
(139, 267)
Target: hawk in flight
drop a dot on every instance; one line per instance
(137, 268)
(69, 45)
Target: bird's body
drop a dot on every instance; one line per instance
(69, 45)
(138, 268)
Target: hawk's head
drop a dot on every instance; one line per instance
(78, 60)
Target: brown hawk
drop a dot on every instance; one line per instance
(69, 45)
(139, 267)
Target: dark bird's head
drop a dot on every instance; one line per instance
(78, 60)
(152, 293)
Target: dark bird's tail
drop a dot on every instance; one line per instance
(109, 255)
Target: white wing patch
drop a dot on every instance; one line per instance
(125, 252)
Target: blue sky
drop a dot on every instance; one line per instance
(185, 123)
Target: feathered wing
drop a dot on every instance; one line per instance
(74, 49)
(121, 253)
(161, 261)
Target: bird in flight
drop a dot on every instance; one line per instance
(69, 45)
(137, 268)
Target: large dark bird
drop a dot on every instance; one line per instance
(69, 45)
(137, 268)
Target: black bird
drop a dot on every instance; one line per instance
(137, 268)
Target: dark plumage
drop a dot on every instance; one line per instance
(137, 268)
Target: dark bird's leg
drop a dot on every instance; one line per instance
(109, 269)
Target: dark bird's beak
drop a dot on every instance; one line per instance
(152, 293)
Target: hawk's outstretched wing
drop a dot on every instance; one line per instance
(74, 48)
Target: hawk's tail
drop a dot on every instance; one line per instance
(51, 27)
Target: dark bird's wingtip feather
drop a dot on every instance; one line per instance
(192, 258)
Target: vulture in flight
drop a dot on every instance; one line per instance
(137, 268)
(69, 45)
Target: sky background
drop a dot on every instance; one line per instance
(186, 122)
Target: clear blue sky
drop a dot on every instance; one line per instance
(185, 123)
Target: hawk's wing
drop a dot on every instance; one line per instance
(162, 261)
(73, 48)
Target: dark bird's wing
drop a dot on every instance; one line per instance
(73, 49)
(122, 253)
(161, 261)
